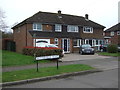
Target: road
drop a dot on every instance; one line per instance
(105, 79)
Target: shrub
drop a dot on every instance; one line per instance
(112, 48)
(42, 51)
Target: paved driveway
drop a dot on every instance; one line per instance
(77, 56)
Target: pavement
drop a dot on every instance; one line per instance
(101, 63)
(106, 80)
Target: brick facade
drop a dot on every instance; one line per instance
(23, 32)
(115, 38)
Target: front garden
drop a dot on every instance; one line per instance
(17, 59)
(109, 54)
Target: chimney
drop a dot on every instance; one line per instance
(59, 12)
(86, 16)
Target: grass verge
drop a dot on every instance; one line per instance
(17, 59)
(46, 71)
(109, 54)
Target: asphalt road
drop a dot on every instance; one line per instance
(105, 79)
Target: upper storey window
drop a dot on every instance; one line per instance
(112, 33)
(58, 27)
(118, 32)
(37, 26)
(87, 29)
(72, 28)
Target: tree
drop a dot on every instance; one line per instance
(3, 26)
(7, 35)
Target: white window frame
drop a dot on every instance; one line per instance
(112, 33)
(118, 32)
(58, 27)
(86, 40)
(68, 44)
(35, 26)
(78, 43)
(85, 29)
(56, 40)
(70, 27)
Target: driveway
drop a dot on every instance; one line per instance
(77, 56)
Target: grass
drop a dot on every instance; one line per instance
(46, 71)
(17, 59)
(109, 54)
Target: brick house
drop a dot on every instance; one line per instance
(66, 31)
(112, 35)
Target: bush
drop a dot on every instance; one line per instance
(41, 51)
(112, 48)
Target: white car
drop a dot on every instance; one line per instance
(45, 45)
(42, 44)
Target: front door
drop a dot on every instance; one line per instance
(66, 45)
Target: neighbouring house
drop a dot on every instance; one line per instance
(112, 35)
(66, 31)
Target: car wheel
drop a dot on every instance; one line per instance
(81, 52)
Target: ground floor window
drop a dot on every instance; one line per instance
(93, 42)
(76, 42)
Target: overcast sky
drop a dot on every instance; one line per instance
(104, 12)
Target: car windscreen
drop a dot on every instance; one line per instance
(52, 46)
(86, 46)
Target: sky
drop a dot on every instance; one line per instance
(104, 12)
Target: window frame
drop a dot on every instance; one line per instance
(58, 27)
(118, 32)
(35, 26)
(85, 29)
(78, 43)
(56, 40)
(112, 33)
(70, 27)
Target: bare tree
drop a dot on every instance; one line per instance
(3, 25)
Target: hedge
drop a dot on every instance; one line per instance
(112, 48)
(42, 51)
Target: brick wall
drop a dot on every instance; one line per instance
(114, 39)
(97, 33)
(22, 37)
(19, 38)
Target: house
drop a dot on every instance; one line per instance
(112, 35)
(65, 31)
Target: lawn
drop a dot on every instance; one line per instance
(17, 59)
(46, 71)
(109, 54)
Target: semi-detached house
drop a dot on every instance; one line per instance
(65, 31)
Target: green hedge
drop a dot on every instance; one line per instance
(112, 48)
(42, 52)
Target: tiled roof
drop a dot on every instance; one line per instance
(113, 28)
(53, 18)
